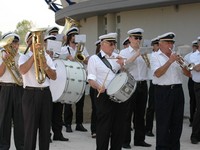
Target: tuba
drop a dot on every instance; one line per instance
(10, 60)
(69, 22)
(39, 53)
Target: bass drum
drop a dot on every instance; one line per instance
(70, 84)
(121, 87)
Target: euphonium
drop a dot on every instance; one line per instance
(39, 54)
(79, 56)
(69, 22)
(9, 61)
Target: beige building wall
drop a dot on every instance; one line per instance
(182, 20)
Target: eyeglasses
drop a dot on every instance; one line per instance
(111, 43)
(138, 38)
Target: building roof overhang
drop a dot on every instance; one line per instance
(96, 7)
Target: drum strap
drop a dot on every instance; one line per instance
(106, 62)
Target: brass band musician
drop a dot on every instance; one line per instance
(137, 102)
(57, 108)
(37, 99)
(110, 115)
(71, 51)
(10, 96)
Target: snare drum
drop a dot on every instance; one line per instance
(121, 87)
(70, 83)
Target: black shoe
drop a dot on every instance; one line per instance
(194, 141)
(68, 128)
(127, 146)
(93, 135)
(149, 133)
(80, 127)
(61, 138)
(50, 140)
(142, 143)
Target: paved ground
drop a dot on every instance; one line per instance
(83, 140)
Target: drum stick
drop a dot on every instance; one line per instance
(103, 84)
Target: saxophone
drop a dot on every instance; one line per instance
(9, 61)
(79, 56)
(144, 53)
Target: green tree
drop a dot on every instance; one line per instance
(22, 28)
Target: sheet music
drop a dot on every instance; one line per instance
(54, 46)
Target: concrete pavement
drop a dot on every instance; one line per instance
(83, 141)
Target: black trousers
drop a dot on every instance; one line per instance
(192, 99)
(11, 112)
(68, 113)
(196, 120)
(150, 109)
(169, 108)
(137, 105)
(93, 114)
(37, 108)
(110, 123)
(57, 120)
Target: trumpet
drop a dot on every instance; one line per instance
(9, 61)
(183, 63)
(38, 54)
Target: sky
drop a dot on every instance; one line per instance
(15, 11)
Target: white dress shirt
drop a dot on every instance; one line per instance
(98, 71)
(29, 79)
(195, 58)
(150, 72)
(173, 75)
(187, 57)
(64, 50)
(138, 69)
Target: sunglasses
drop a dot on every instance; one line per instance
(138, 38)
(15, 41)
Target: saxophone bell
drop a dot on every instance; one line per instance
(79, 56)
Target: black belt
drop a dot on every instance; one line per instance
(8, 84)
(196, 82)
(142, 82)
(36, 88)
(172, 86)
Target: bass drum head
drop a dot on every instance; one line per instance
(57, 86)
(116, 84)
(76, 82)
